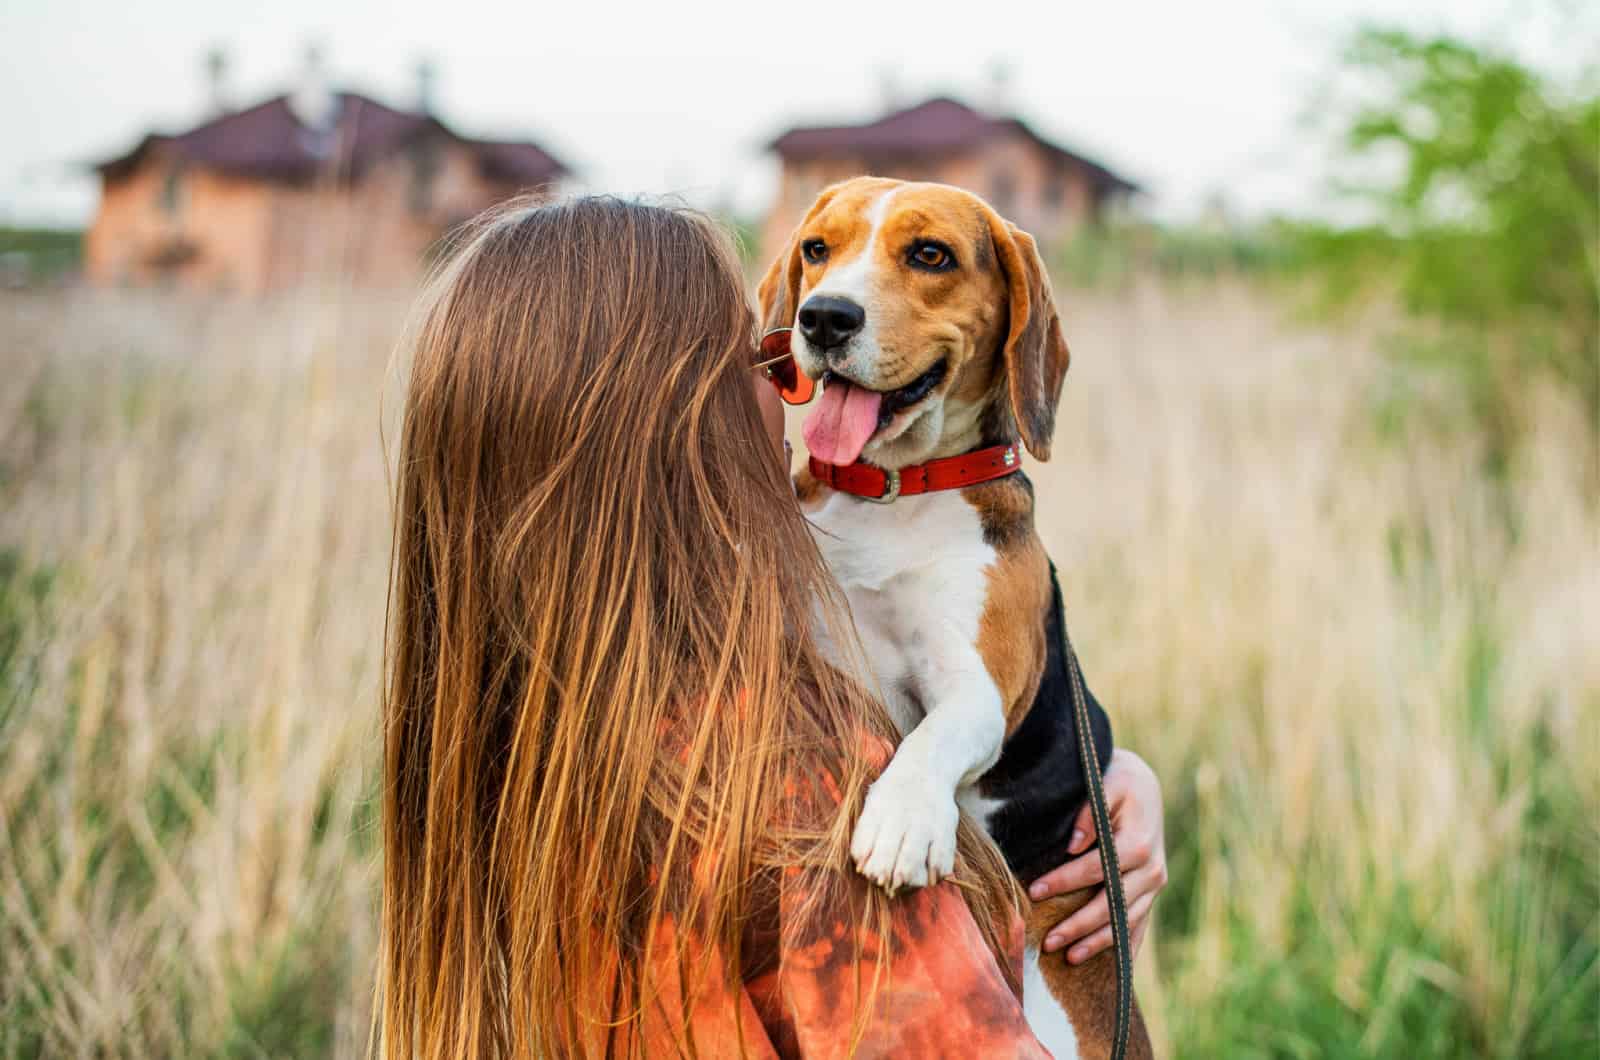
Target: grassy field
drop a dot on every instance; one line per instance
(1367, 670)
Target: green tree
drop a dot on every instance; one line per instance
(1486, 218)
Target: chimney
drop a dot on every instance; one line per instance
(890, 97)
(997, 98)
(312, 100)
(217, 81)
(427, 76)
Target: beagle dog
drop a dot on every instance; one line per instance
(929, 322)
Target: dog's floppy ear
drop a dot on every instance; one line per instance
(1036, 354)
(779, 292)
(780, 288)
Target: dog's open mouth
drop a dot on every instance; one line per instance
(848, 414)
(900, 398)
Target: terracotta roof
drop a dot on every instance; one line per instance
(271, 142)
(939, 126)
(507, 160)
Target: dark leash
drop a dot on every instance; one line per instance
(1089, 757)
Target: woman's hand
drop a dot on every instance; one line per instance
(1133, 797)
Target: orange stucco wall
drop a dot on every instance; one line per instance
(238, 234)
(211, 238)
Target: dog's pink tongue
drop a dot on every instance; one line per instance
(844, 419)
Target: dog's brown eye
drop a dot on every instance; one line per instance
(815, 251)
(931, 256)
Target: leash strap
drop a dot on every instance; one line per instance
(1089, 757)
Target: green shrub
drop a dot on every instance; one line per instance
(1483, 212)
(29, 255)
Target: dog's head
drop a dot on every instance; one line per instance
(926, 316)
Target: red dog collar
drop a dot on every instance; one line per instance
(950, 473)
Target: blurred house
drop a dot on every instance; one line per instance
(304, 184)
(1041, 186)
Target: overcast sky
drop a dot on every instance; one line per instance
(1189, 99)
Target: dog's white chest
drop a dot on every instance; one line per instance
(1045, 1016)
(915, 574)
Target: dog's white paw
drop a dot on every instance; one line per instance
(907, 833)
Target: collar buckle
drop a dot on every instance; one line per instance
(891, 489)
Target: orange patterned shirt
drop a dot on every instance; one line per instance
(942, 996)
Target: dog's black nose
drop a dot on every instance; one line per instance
(828, 321)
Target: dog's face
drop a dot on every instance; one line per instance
(922, 312)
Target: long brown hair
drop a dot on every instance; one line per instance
(602, 664)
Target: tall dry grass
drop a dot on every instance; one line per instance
(195, 519)
(1367, 671)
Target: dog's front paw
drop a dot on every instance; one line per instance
(907, 833)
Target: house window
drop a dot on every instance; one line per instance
(427, 161)
(1055, 191)
(171, 197)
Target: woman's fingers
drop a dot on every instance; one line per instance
(1133, 795)
(1135, 844)
(1083, 830)
(1080, 923)
(1082, 871)
(1139, 889)
(1119, 786)
(1138, 913)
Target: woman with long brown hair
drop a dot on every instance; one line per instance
(619, 772)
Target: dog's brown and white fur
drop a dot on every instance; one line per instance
(950, 590)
